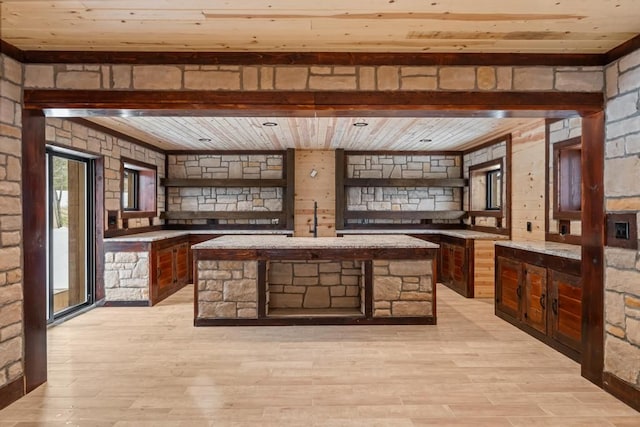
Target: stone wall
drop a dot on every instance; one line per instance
(305, 78)
(314, 284)
(226, 166)
(558, 132)
(402, 288)
(403, 198)
(622, 194)
(126, 276)
(11, 333)
(227, 289)
(494, 152)
(76, 136)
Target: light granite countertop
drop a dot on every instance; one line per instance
(347, 242)
(548, 248)
(462, 234)
(154, 236)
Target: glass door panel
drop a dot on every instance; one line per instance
(68, 234)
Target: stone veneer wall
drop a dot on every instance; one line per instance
(305, 78)
(622, 194)
(402, 288)
(314, 284)
(226, 166)
(227, 289)
(126, 276)
(494, 152)
(558, 132)
(403, 198)
(11, 333)
(76, 136)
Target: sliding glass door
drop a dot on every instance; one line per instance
(70, 240)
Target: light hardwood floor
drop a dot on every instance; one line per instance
(150, 366)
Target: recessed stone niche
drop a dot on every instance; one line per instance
(314, 287)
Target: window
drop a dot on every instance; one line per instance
(567, 200)
(138, 189)
(494, 190)
(486, 189)
(130, 190)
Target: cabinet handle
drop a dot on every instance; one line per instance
(519, 292)
(554, 306)
(543, 299)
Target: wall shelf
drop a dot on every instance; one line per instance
(205, 182)
(175, 215)
(400, 182)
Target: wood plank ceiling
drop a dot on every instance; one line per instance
(487, 26)
(250, 133)
(538, 26)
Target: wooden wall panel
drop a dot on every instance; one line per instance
(528, 176)
(483, 272)
(320, 188)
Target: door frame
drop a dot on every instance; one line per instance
(90, 275)
(82, 103)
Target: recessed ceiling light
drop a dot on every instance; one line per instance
(269, 124)
(204, 140)
(425, 140)
(360, 124)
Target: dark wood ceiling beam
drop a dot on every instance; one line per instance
(79, 103)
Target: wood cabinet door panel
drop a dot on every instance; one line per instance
(535, 297)
(165, 273)
(566, 306)
(182, 263)
(508, 291)
(458, 268)
(445, 263)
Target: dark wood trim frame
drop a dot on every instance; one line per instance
(318, 58)
(319, 103)
(34, 238)
(11, 392)
(210, 182)
(223, 152)
(504, 228)
(143, 196)
(535, 104)
(141, 303)
(303, 58)
(624, 391)
(631, 219)
(498, 213)
(289, 196)
(103, 129)
(593, 238)
(557, 147)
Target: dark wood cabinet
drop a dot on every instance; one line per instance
(170, 267)
(542, 295)
(454, 265)
(508, 286)
(534, 306)
(566, 308)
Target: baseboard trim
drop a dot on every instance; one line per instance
(141, 303)
(621, 389)
(11, 392)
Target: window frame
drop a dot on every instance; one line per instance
(136, 189)
(563, 186)
(490, 190)
(147, 189)
(482, 169)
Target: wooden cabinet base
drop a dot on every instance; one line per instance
(542, 295)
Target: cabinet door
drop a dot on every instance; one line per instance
(459, 268)
(182, 263)
(165, 274)
(445, 263)
(566, 309)
(535, 297)
(508, 287)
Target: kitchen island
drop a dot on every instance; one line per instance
(279, 280)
